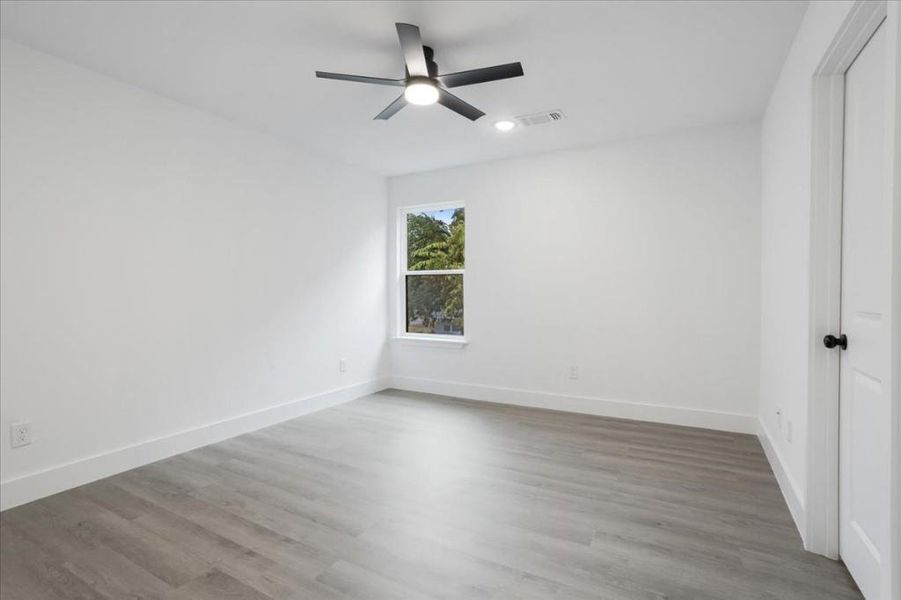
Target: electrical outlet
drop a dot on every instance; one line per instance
(19, 434)
(574, 372)
(788, 431)
(342, 365)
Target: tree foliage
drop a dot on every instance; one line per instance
(433, 244)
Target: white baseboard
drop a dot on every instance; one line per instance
(787, 484)
(605, 407)
(26, 488)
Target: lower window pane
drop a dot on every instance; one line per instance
(435, 304)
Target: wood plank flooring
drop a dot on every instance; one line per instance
(408, 496)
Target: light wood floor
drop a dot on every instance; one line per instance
(405, 497)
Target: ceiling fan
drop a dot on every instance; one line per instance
(423, 85)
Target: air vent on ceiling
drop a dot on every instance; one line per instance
(548, 116)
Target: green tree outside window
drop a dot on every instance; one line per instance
(436, 241)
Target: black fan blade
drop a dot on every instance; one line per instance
(481, 75)
(445, 98)
(360, 78)
(411, 44)
(392, 109)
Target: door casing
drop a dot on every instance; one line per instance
(820, 529)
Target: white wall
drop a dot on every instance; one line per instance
(164, 270)
(785, 258)
(638, 262)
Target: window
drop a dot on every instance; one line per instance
(432, 267)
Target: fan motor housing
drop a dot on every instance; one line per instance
(430, 62)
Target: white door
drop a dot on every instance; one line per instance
(865, 370)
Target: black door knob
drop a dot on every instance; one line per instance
(830, 341)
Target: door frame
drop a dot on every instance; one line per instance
(821, 527)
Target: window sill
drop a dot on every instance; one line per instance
(434, 341)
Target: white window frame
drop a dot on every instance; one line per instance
(402, 271)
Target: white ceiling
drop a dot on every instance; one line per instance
(617, 69)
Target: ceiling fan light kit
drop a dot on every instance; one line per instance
(421, 91)
(423, 85)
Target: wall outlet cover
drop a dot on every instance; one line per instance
(19, 434)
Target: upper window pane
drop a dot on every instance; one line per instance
(436, 239)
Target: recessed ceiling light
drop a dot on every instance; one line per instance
(421, 91)
(505, 125)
